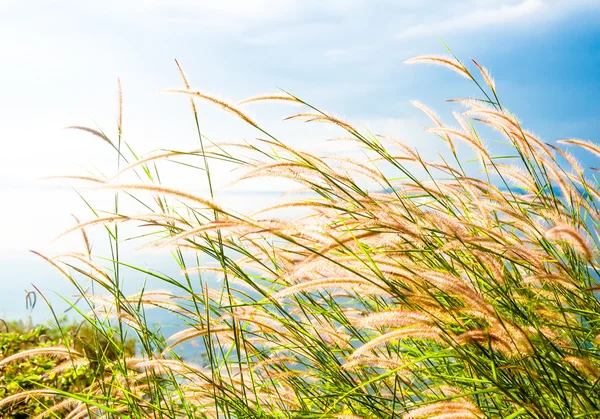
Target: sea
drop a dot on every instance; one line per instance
(34, 216)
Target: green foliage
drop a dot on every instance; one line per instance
(36, 372)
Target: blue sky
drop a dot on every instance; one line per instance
(60, 61)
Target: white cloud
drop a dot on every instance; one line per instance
(473, 16)
(224, 17)
(60, 63)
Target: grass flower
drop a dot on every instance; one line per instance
(389, 287)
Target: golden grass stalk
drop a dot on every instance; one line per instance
(187, 85)
(93, 132)
(51, 410)
(151, 158)
(573, 237)
(396, 318)
(486, 75)
(26, 395)
(164, 190)
(62, 270)
(191, 333)
(413, 332)
(436, 120)
(216, 101)
(586, 145)
(443, 61)
(584, 366)
(348, 284)
(273, 97)
(459, 409)
(469, 139)
(88, 178)
(84, 236)
(54, 351)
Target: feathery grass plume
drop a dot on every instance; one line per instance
(396, 318)
(518, 176)
(297, 170)
(100, 220)
(573, 162)
(150, 219)
(103, 315)
(258, 317)
(412, 154)
(436, 120)
(334, 337)
(153, 302)
(93, 132)
(51, 411)
(88, 178)
(459, 409)
(170, 365)
(469, 139)
(566, 189)
(57, 351)
(191, 333)
(486, 76)
(391, 362)
(26, 395)
(184, 78)
(551, 278)
(447, 62)
(69, 364)
(152, 158)
(586, 145)
(55, 265)
(509, 126)
(348, 284)
(84, 236)
(573, 237)
(413, 332)
(85, 260)
(220, 225)
(321, 117)
(216, 101)
(483, 337)
(459, 288)
(351, 165)
(274, 97)
(584, 366)
(163, 190)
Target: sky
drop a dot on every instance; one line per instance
(60, 61)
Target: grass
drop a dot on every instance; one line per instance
(457, 288)
(33, 357)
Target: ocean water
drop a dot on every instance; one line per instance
(33, 216)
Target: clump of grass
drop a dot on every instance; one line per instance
(406, 288)
(66, 356)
